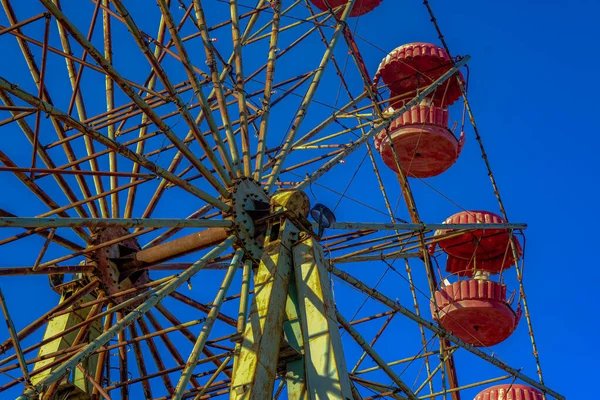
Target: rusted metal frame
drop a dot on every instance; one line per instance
(192, 361)
(253, 14)
(112, 222)
(101, 153)
(160, 365)
(402, 242)
(44, 357)
(20, 271)
(377, 248)
(212, 379)
(42, 252)
(121, 114)
(17, 108)
(41, 232)
(378, 388)
(128, 90)
(15, 340)
(135, 314)
(110, 104)
(81, 112)
(335, 135)
(94, 247)
(16, 117)
(188, 139)
(313, 19)
(343, 237)
(218, 388)
(169, 344)
(372, 343)
(95, 384)
(191, 73)
(82, 326)
(164, 185)
(172, 231)
(180, 104)
(25, 38)
(362, 68)
(305, 163)
(101, 351)
(123, 361)
(132, 290)
(188, 334)
(428, 241)
(108, 192)
(41, 89)
(110, 143)
(399, 236)
(202, 307)
(281, 53)
(197, 176)
(306, 101)
(41, 321)
(150, 81)
(418, 313)
(146, 378)
(274, 12)
(22, 41)
(33, 373)
(266, 101)
(376, 357)
(403, 360)
(40, 193)
(77, 88)
(73, 172)
(185, 245)
(242, 316)
(329, 120)
(469, 386)
(45, 157)
(22, 23)
(443, 356)
(239, 87)
(376, 257)
(439, 331)
(103, 357)
(200, 23)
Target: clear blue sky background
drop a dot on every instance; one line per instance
(534, 95)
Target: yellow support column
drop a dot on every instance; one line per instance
(78, 385)
(256, 365)
(325, 366)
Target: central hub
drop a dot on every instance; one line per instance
(109, 262)
(251, 209)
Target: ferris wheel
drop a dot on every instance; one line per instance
(199, 201)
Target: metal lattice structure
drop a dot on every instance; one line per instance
(162, 165)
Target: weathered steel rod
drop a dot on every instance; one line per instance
(186, 374)
(22, 222)
(376, 357)
(310, 93)
(422, 227)
(15, 339)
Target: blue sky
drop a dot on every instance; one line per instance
(532, 87)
